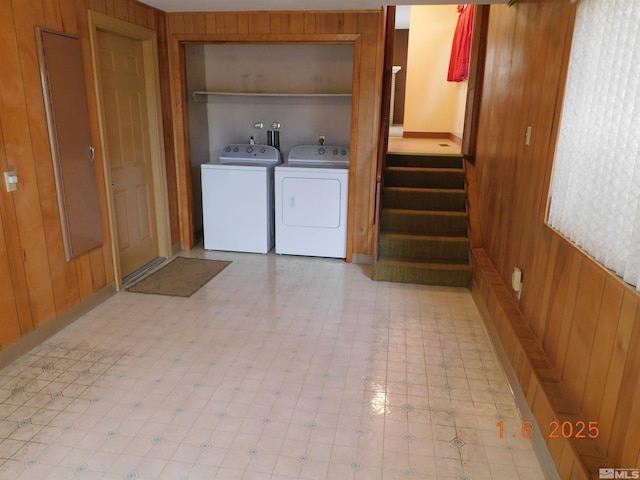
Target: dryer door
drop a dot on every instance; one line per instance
(311, 202)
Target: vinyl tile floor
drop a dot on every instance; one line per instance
(280, 367)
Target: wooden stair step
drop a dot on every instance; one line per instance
(421, 222)
(424, 177)
(406, 198)
(424, 160)
(422, 273)
(424, 248)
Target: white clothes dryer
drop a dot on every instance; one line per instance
(311, 201)
(237, 199)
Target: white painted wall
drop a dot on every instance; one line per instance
(279, 69)
(433, 104)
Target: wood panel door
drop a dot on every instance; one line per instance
(127, 142)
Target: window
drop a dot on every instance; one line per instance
(595, 193)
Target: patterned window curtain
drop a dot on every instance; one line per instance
(461, 48)
(595, 194)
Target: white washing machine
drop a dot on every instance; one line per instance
(312, 190)
(237, 199)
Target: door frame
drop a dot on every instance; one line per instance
(148, 38)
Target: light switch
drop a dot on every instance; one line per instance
(11, 181)
(527, 137)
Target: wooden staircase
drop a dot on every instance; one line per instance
(424, 222)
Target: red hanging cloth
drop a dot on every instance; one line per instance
(461, 49)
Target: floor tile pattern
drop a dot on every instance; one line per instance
(279, 368)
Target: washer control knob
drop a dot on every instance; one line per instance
(343, 152)
(236, 149)
(321, 151)
(262, 150)
(335, 151)
(228, 149)
(249, 149)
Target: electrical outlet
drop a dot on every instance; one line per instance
(321, 139)
(516, 281)
(11, 181)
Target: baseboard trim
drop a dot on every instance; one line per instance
(434, 135)
(363, 259)
(539, 445)
(406, 134)
(37, 337)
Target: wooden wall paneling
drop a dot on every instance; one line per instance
(210, 23)
(227, 22)
(309, 22)
(110, 8)
(558, 287)
(349, 22)
(354, 141)
(328, 23)
(167, 120)
(489, 127)
(508, 222)
(623, 446)
(585, 319)
(195, 23)
(10, 322)
(180, 122)
(602, 349)
(551, 242)
(243, 23)
(52, 14)
(535, 236)
(370, 27)
(619, 354)
(14, 302)
(131, 16)
(20, 154)
(121, 9)
(530, 257)
(85, 275)
(474, 85)
(523, 76)
(566, 319)
(98, 5)
(259, 23)
(275, 20)
(175, 23)
(68, 16)
(582, 335)
(142, 16)
(293, 22)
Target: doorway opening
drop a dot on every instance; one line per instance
(427, 111)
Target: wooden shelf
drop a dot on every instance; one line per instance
(202, 97)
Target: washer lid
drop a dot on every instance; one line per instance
(319, 155)
(242, 154)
